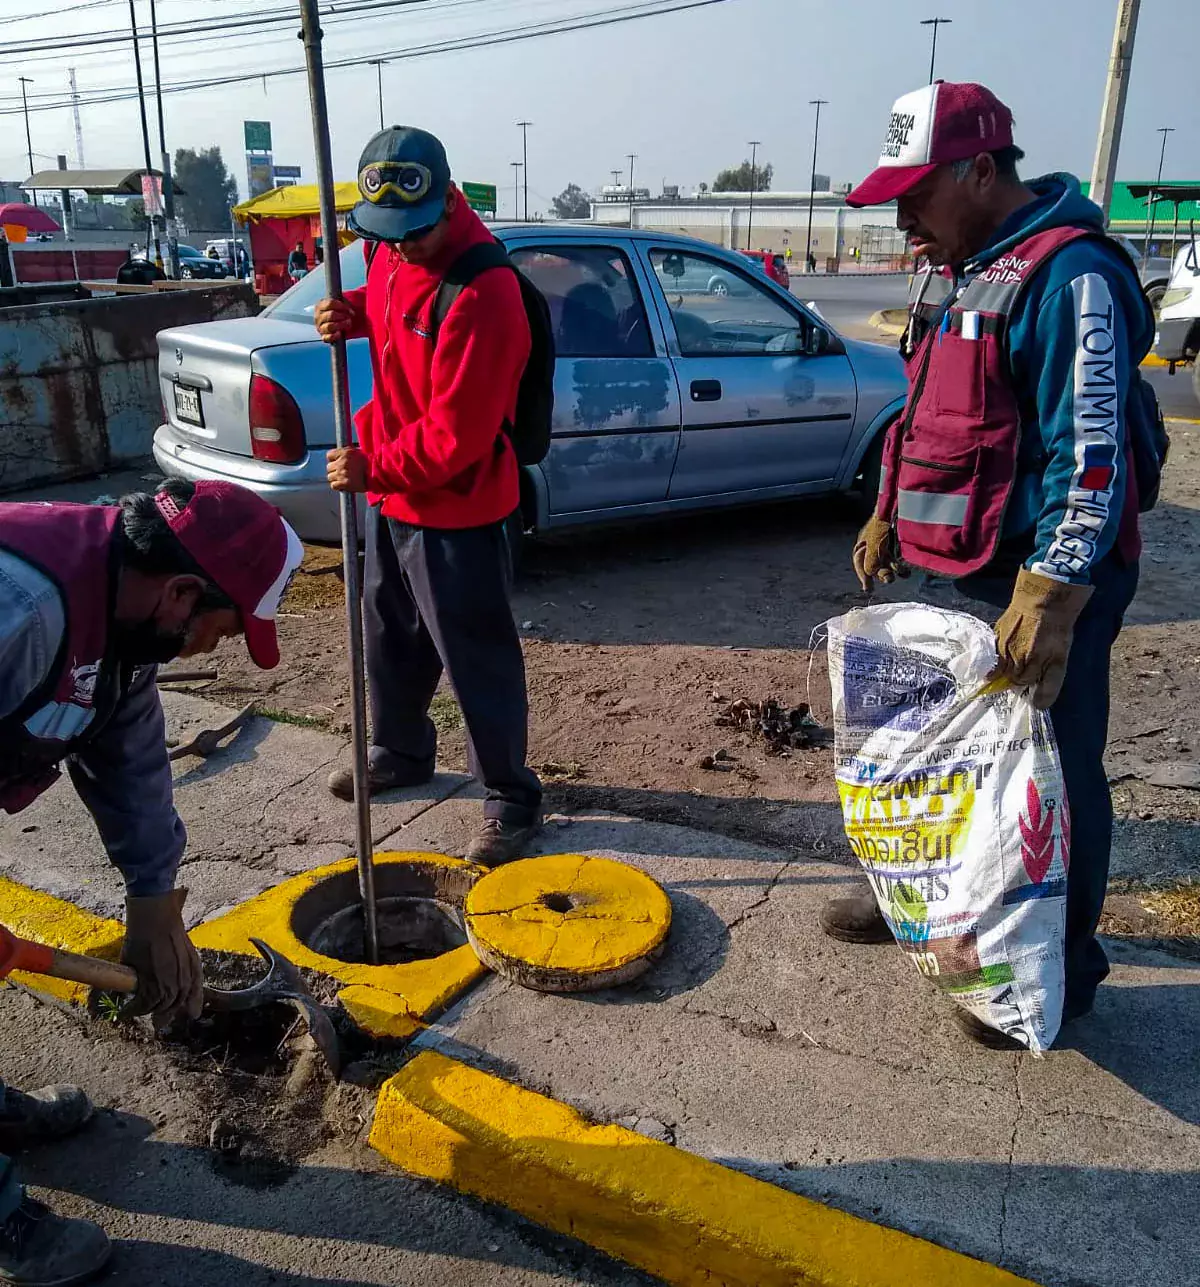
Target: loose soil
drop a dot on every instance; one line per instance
(638, 639)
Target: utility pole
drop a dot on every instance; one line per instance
(378, 64)
(168, 187)
(78, 123)
(524, 127)
(818, 103)
(935, 23)
(1112, 114)
(1152, 198)
(27, 80)
(754, 146)
(631, 157)
(151, 234)
(516, 165)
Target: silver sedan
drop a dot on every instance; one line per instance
(668, 396)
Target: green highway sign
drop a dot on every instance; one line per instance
(258, 135)
(480, 196)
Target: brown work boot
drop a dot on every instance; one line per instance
(498, 842)
(379, 779)
(41, 1249)
(983, 1034)
(45, 1114)
(855, 920)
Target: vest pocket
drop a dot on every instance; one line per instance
(934, 501)
(960, 369)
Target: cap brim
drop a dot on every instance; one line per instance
(262, 642)
(393, 223)
(887, 183)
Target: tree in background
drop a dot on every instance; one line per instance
(572, 203)
(741, 178)
(208, 188)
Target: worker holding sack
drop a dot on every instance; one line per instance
(1029, 443)
(92, 597)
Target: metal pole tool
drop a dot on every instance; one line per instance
(311, 35)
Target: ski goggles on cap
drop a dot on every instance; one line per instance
(407, 181)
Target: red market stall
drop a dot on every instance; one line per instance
(282, 217)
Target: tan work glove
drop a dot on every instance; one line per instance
(170, 977)
(1033, 636)
(877, 555)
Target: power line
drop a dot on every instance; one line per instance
(580, 22)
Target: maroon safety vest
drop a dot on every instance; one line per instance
(950, 461)
(72, 545)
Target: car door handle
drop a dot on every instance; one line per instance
(706, 390)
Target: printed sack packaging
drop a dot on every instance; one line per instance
(952, 798)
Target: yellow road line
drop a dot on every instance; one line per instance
(685, 1219)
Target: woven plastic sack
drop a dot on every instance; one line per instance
(952, 799)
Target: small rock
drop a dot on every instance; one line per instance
(526, 625)
(722, 754)
(492, 1246)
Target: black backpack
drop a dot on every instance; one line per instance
(529, 432)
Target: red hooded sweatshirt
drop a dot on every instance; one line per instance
(432, 431)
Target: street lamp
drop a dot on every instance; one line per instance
(631, 157)
(754, 145)
(151, 232)
(516, 165)
(524, 127)
(1152, 199)
(27, 80)
(379, 64)
(168, 187)
(935, 23)
(818, 103)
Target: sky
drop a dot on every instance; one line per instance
(685, 91)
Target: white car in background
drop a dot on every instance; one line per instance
(1177, 337)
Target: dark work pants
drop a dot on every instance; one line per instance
(436, 599)
(1080, 720)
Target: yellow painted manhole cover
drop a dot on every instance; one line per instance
(567, 923)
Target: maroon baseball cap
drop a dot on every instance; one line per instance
(932, 126)
(244, 545)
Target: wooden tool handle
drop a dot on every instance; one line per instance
(92, 972)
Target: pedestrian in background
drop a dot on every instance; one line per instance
(441, 480)
(297, 263)
(1009, 478)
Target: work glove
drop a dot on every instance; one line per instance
(877, 555)
(1033, 636)
(170, 977)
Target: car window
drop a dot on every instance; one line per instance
(595, 305)
(717, 310)
(297, 304)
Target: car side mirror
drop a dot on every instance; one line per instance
(816, 341)
(672, 265)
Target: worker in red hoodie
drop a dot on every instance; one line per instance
(441, 480)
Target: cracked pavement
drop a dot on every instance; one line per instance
(827, 1069)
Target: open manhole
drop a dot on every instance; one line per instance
(419, 908)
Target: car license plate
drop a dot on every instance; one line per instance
(187, 405)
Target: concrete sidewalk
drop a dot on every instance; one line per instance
(827, 1070)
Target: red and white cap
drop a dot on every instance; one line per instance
(933, 126)
(248, 550)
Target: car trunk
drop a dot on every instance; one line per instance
(205, 374)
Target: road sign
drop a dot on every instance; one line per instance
(480, 196)
(258, 135)
(287, 172)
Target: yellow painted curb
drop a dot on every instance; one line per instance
(568, 923)
(685, 1219)
(384, 1000)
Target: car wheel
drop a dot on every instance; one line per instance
(718, 288)
(866, 484)
(1154, 295)
(186, 273)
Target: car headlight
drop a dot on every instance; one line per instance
(1176, 295)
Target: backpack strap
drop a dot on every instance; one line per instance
(462, 272)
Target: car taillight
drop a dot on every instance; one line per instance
(276, 426)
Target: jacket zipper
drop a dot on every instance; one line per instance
(387, 315)
(931, 464)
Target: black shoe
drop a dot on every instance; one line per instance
(983, 1034)
(41, 1249)
(855, 920)
(498, 842)
(379, 779)
(45, 1114)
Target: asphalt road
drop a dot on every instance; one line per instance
(847, 303)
